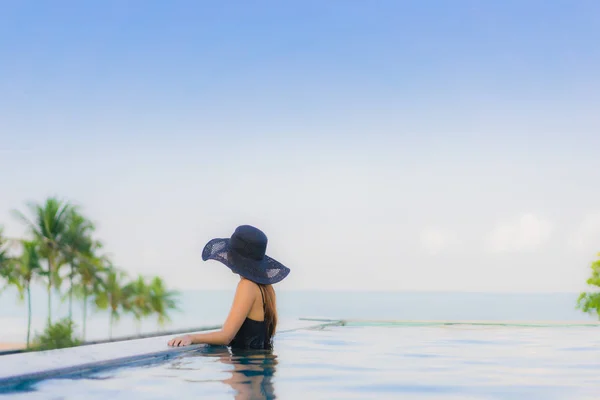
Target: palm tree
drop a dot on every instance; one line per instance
(590, 302)
(50, 222)
(113, 295)
(7, 265)
(140, 300)
(27, 265)
(90, 272)
(78, 247)
(5, 261)
(162, 300)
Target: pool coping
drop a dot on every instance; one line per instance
(12, 382)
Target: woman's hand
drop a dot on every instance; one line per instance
(185, 340)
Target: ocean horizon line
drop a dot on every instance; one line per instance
(410, 291)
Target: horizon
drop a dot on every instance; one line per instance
(40, 290)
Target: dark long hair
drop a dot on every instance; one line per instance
(270, 304)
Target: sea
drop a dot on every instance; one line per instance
(198, 308)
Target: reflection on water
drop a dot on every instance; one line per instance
(251, 370)
(252, 375)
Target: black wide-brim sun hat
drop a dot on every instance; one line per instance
(244, 253)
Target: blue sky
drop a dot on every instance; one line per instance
(387, 146)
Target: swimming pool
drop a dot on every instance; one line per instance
(365, 361)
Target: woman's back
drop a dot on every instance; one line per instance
(254, 332)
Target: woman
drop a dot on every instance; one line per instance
(252, 319)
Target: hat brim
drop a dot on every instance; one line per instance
(267, 271)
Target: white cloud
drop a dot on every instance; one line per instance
(587, 236)
(435, 239)
(523, 233)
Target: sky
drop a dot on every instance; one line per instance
(414, 146)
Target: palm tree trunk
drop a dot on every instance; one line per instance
(49, 301)
(84, 310)
(110, 326)
(28, 314)
(50, 272)
(159, 323)
(71, 295)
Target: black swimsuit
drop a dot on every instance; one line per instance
(252, 333)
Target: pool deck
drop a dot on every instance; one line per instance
(39, 365)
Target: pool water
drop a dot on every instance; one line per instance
(366, 362)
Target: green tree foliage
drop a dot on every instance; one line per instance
(91, 273)
(57, 336)
(114, 295)
(48, 226)
(6, 276)
(589, 302)
(61, 239)
(26, 267)
(162, 300)
(139, 301)
(78, 248)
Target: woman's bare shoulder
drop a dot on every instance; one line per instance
(246, 289)
(246, 284)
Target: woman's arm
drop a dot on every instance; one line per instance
(245, 295)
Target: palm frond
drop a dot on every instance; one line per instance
(33, 227)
